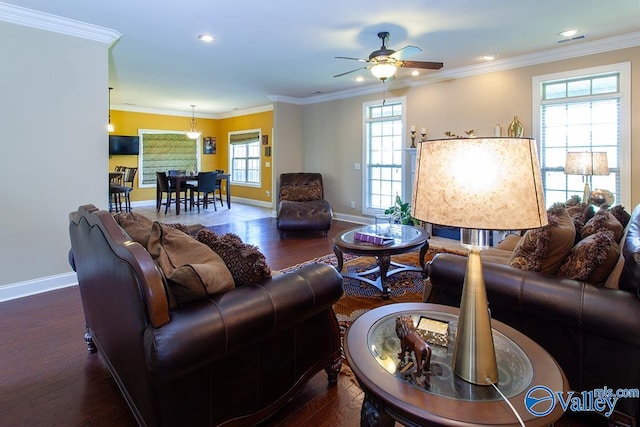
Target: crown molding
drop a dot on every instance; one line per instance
(556, 54)
(234, 113)
(57, 24)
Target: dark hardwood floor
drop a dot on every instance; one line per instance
(47, 378)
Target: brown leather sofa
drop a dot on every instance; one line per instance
(301, 203)
(231, 359)
(593, 332)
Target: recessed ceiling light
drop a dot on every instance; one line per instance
(568, 33)
(205, 38)
(415, 73)
(488, 57)
(359, 79)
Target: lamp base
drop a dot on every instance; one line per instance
(474, 356)
(586, 195)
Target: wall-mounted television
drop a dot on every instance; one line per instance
(120, 144)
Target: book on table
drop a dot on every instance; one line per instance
(372, 238)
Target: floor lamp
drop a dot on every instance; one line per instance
(586, 163)
(478, 184)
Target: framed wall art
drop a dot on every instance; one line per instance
(209, 145)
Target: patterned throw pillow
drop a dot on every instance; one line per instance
(603, 219)
(301, 193)
(192, 270)
(245, 262)
(543, 249)
(580, 213)
(621, 215)
(592, 258)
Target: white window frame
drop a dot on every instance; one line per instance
(366, 209)
(231, 158)
(624, 69)
(141, 133)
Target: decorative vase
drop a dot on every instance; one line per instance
(515, 128)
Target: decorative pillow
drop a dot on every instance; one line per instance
(191, 230)
(192, 270)
(543, 249)
(137, 226)
(580, 213)
(621, 215)
(301, 193)
(509, 243)
(603, 219)
(592, 258)
(245, 262)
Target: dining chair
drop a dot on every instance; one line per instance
(207, 183)
(163, 187)
(218, 187)
(124, 189)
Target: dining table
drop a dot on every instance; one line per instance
(177, 181)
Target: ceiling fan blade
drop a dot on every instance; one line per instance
(405, 52)
(352, 71)
(422, 64)
(355, 59)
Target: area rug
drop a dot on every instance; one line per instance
(359, 297)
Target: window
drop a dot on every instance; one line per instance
(584, 110)
(245, 157)
(161, 151)
(383, 154)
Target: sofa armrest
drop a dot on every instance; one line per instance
(520, 295)
(214, 328)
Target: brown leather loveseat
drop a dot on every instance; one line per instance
(301, 203)
(233, 358)
(592, 332)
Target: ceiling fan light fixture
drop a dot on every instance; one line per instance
(383, 71)
(193, 132)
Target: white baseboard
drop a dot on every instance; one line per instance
(353, 218)
(36, 286)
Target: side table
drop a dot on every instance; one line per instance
(371, 347)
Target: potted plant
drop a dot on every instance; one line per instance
(401, 213)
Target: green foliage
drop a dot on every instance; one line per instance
(401, 213)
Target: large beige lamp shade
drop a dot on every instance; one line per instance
(478, 184)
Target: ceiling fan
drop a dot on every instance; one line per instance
(384, 62)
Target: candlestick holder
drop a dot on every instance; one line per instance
(413, 138)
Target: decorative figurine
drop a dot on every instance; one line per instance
(412, 346)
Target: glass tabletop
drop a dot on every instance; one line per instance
(402, 235)
(515, 371)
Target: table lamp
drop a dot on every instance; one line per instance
(586, 163)
(478, 184)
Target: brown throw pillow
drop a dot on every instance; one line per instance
(592, 259)
(621, 215)
(245, 262)
(543, 249)
(580, 213)
(301, 193)
(509, 243)
(137, 226)
(603, 219)
(192, 269)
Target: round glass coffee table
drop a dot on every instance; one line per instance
(406, 238)
(371, 347)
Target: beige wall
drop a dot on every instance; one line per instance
(53, 115)
(333, 131)
(288, 137)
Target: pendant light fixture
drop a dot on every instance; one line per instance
(193, 132)
(110, 126)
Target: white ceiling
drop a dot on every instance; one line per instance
(286, 48)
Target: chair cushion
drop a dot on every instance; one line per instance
(592, 259)
(301, 193)
(192, 269)
(543, 249)
(245, 262)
